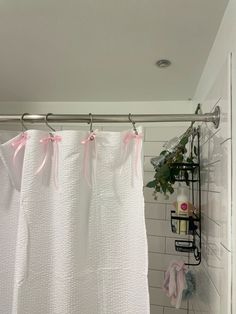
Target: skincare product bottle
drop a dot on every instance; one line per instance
(183, 209)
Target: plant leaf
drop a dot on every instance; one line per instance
(151, 184)
(170, 189)
(164, 172)
(184, 141)
(158, 188)
(163, 152)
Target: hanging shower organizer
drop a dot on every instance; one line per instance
(193, 243)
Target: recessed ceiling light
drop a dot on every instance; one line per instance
(163, 63)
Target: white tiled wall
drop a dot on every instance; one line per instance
(214, 275)
(160, 238)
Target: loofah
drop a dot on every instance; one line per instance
(191, 286)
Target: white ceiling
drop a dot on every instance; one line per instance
(91, 50)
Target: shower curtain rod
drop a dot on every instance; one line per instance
(213, 117)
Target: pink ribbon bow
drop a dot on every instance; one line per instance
(138, 140)
(91, 138)
(46, 141)
(18, 144)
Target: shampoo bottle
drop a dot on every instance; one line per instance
(183, 209)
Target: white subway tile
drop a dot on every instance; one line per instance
(225, 195)
(211, 176)
(155, 309)
(211, 231)
(161, 198)
(11, 127)
(225, 287)
(207, 298)
(155, 278)
(161, 261)
(147, 164)
(155, 210)
(163, 133)
(211, 205)
(161, 228)
(158, 297)
(174, 311)
(156, 244)
(153, 148)
(207, 131)
(210, 151)
(117, 128)
(147, 177)
(213, 269)
(169, 208)
(76, 126)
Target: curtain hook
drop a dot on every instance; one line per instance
(24, 128)
(133, 123)
(46, 121)
(91, 122)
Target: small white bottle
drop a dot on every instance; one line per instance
(183, 209)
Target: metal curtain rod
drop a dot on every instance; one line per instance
(213, 117)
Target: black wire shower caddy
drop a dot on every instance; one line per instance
(194, 241)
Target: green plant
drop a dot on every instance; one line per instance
(167, 170)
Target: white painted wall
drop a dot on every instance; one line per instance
(98, 107)
(219, 158)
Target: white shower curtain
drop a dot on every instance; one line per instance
(72, 235)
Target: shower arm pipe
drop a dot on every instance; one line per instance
(213, 117)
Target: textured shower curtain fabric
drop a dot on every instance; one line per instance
(72, 228)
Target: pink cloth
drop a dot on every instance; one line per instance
(54, 139)
(18, 144)
(175, 282)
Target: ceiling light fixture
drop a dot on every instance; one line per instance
(163, 63)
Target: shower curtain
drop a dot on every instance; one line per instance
(72, 228)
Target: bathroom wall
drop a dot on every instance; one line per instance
(214, 274)
(217, 87)
(160, 238)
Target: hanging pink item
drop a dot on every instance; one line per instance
(18, 144)
(175, 282)
(46, 141)
(137, 137)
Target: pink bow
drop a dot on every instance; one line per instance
(46, 141)
(19, 144)
(138, 140)
(91, 138)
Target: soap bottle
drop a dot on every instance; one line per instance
(183, 209)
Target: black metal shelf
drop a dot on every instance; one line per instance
(193, 243)
(185, 165)
(175, 223)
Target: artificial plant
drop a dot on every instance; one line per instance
(164, 165)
